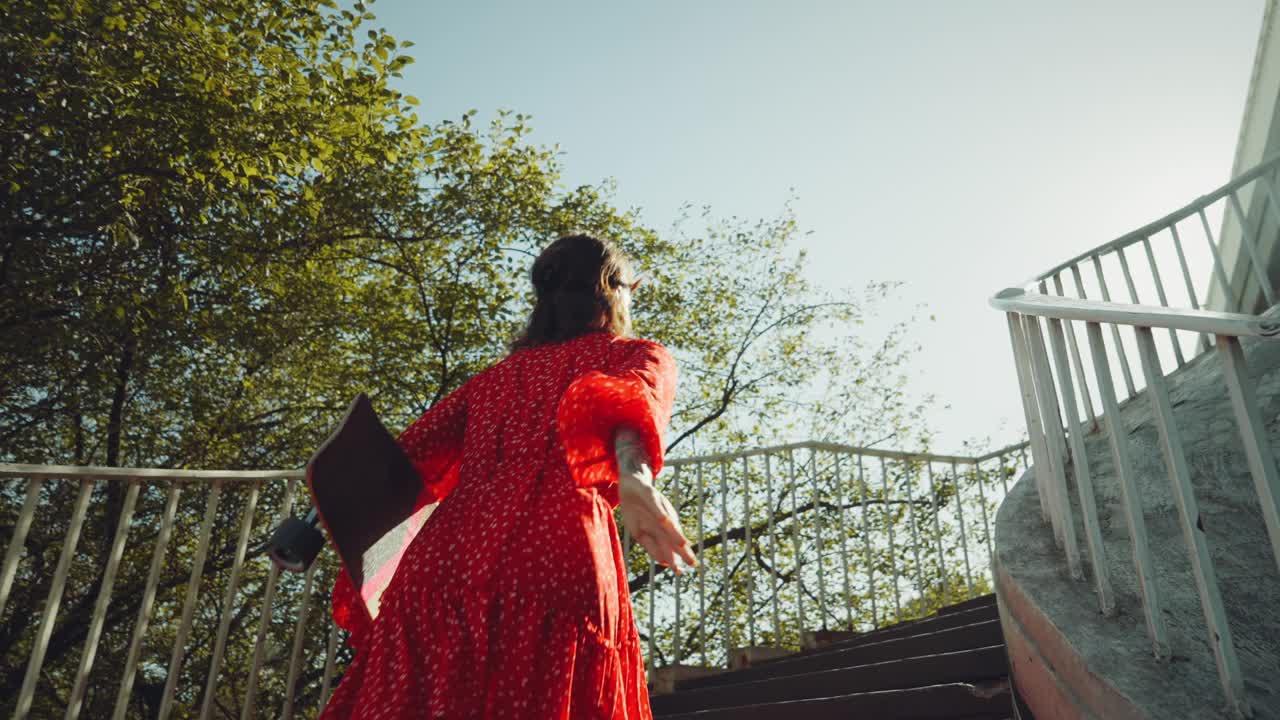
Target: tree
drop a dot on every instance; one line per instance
(219, 221)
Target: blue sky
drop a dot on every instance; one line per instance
(960, 147)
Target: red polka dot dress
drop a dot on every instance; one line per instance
(512, 601)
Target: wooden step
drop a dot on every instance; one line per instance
(965, 666)
(944, 701)
(932, 623)
(988, 600)
(953, 639)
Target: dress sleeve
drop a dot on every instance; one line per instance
(637, 391)
(434, 445)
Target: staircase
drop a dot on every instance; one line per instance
(949, 666)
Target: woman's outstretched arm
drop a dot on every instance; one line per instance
(646, 512)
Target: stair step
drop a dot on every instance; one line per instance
(932, 623)
(950, 640)
(988, 600)
(945, 701)
(964, 666)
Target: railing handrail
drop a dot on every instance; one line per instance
(1155, 316)
(101, 472)
(1136, 236)
(98, 472)
(838, 447)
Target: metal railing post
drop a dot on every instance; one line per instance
(1193, 529)
(1083, 478)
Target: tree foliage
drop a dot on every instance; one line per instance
(218, 221)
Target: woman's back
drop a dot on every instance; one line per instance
(516, 516)
(512, 600)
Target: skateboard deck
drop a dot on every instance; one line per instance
(364, 489)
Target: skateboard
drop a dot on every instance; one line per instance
(363, 491)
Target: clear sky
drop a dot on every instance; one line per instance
(960, 147)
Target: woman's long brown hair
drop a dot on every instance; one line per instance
(578, 282)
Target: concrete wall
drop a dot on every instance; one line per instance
(1259, 139)
(1069, 661)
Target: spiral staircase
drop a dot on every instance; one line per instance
(950, 666)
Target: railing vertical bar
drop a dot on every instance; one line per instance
(1186, 278)
(228, 600)
(1262, 463)
(1049, 405)
(331, 651)
(964, 542)
(1246, 239)
(1228, 300)
(702, 578)
(148, 598)
(678, 651)
(773, 552)
(866, 538)
(1192, 529)
(1077, 365)
(104, 599)
(921, 585)
(982, 505)
(844, 543)
(795, 540)
(1004, 482)
(1031, 413)
(18, 541)
(1059, 441)
(1164, 300)
(626, 543)
(1115, 331)
(1083, 477)
(726, 595)
(1128, 276)
(750, 548)
(653, 618)
(189, 605)
(1144, 567)
(264, 623)
(944, 576)
(41, 643)
(1079, 282)
(887, 508)
(817, 547)
(295, 655)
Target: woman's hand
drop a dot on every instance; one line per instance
(651, 519)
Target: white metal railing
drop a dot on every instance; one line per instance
(805, 536)
(817, 535)
(1059, 414)
(188, 513)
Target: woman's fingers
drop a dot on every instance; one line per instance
(656, 526)
(666, 548)
(686, 551)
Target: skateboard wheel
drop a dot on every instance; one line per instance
(295, 544)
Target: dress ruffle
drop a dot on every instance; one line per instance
(591, 675)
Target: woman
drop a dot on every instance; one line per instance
(512, 601)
